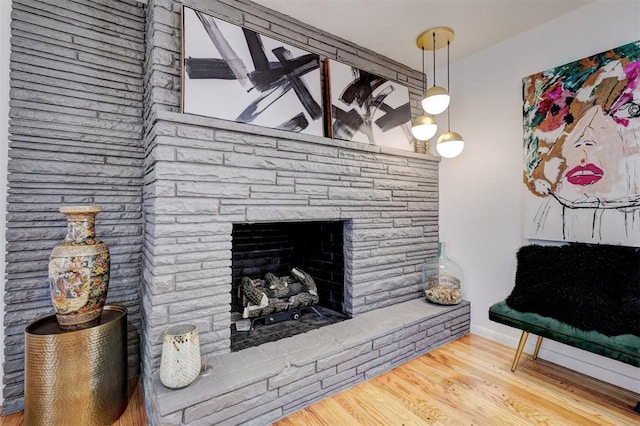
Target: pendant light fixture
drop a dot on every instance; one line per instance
(450, 144)
(424, 127)
(436, 99)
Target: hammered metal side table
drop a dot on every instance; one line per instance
(76, 377)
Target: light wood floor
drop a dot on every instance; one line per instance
(469, 382)
(465, 382)
(134, 415)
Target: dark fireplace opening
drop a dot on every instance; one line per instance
(317, 248)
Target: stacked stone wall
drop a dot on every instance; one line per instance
(75, 137)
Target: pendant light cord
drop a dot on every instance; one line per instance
(433, 34)
(424, 76)
(448, 88)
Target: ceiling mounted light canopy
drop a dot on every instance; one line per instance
(436, 99)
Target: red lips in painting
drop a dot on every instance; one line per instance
(585, 175)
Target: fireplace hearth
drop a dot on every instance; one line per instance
(264, 331)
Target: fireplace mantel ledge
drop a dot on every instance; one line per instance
(283, 362)
(215, 123)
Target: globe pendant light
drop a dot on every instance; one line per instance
(424, 127)
(436, 99)
(449, 144)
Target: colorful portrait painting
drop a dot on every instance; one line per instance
(582, 150)
(369, 108)
(233, 73)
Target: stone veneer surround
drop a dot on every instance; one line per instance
(203, 175)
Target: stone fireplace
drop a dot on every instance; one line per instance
(206, 180)
(211, 181)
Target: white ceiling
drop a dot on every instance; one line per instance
(390, 27)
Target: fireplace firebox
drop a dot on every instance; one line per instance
(276, 248)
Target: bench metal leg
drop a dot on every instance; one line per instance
(523, 340)
(538, 343)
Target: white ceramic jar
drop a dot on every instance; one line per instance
(180, 363)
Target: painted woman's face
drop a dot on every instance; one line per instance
(597, 156)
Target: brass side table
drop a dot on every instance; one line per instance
(76, 377)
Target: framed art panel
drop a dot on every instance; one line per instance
(368, 108)
(233, 73)
(582, 150)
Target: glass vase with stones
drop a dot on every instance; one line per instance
(79, 270)
(442, 279)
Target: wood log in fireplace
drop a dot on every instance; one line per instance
(277, 294)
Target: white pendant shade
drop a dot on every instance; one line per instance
(436, 100)
(424, 127)
(450, 144)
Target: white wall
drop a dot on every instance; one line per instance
(480, 191)
(5, 21)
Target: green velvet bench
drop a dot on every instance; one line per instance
(583, 295)
(624, 348)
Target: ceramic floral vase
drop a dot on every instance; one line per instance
(79, 270)
(180, 363)
(442, 279)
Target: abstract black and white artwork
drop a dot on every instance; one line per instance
(233, 73)
(369, 108)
